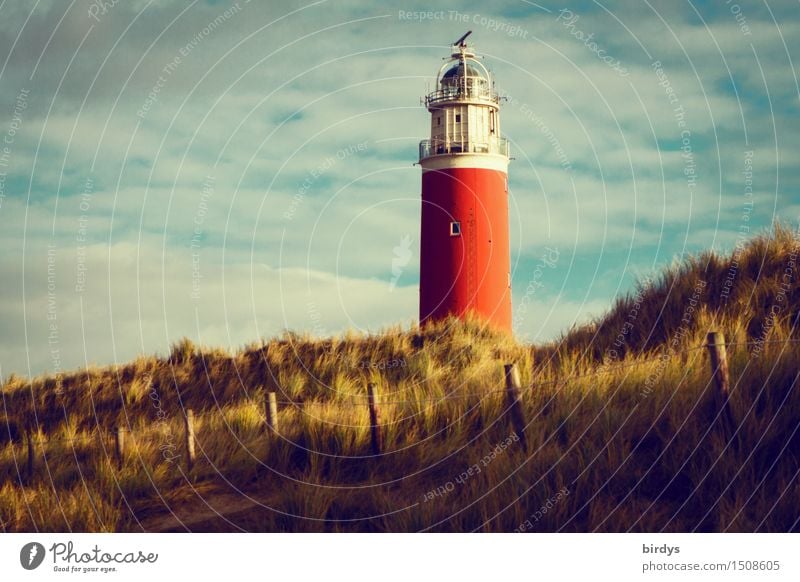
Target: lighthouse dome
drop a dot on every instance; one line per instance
(460, 70)
(464, 77)
(463, 69)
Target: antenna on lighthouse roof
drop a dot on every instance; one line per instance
(460, 42)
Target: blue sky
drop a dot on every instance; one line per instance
(224, 171)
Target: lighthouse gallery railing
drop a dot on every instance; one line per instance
(428, 148)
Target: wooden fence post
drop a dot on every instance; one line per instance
(119, 445)
(514, 400)
(31, 452)
(719, 363)
(189, 425)
(271, 407)
(720, 374)
(374, 419)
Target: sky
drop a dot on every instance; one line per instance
(224, 171)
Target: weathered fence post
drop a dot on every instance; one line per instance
(374, 419)
(719, 373)
(189, 425)
(31, 452)
(119, 445)
(271, 407)
(515, 403)
(719, 363)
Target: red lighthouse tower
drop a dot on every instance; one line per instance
(464, 262)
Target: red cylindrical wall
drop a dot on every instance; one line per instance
(469, 272)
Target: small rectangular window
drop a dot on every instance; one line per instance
(439, 120)
(458, 117)
(455, 228)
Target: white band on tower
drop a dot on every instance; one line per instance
(483, 161)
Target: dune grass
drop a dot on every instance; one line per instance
(622, 432)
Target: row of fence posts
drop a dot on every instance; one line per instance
(513, 392)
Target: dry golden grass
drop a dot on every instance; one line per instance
(618, 440)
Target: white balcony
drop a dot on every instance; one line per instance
(478, 92)
(429, 148)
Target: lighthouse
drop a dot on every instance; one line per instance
(465, 257)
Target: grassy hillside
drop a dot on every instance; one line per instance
(622, 431)
(753, 287)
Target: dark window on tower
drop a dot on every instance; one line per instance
(458, 117)
(439, 120)
(455, 228)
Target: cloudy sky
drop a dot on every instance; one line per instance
(224, 171)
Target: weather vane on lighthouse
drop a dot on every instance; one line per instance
(465, 257)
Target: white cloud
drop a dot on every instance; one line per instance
(134, 299)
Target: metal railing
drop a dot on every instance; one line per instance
(476, 92)
(428, 148)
